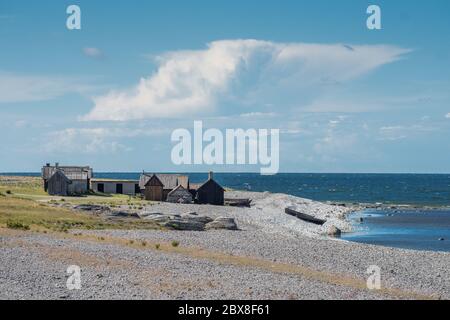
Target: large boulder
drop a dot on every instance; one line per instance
(222, 223)
(201, 219)
(123, 214)
(145, 214)
(161, 218)
(184, 225)
(334, 231)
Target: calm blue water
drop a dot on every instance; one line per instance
(415, 229)
(411, 229)
(427, 189)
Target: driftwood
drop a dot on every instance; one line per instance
(235, 202)
(304, 216)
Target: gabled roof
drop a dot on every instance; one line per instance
(208, 182)
(62, 175)
(169, 181)
(154, 178)
(72, 172)
(178, 188)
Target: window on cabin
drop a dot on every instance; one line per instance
(101, 187)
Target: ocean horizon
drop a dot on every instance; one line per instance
(386, 188)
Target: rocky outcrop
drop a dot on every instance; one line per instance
(200, 219)
(90, 207)
(94, 208)
(222, 223)
(191, 222)
(184, 225)
(122, 214)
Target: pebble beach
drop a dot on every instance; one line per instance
(271, 255)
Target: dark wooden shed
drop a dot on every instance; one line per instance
(58, 184)
(210, 193)
(154, 189)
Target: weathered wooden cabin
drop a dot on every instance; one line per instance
(113, 186)
(58, 184)
(179, 195)
(156, 187)
(66, 180)
(210, 192)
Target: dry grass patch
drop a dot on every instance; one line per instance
(21, 185)
(35, 215)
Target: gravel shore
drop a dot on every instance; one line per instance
(272, 256)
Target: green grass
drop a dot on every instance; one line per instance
(21, 185)
(31, 188)
(16, 225)
(32, 213)
(28, 205)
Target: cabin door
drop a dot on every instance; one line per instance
(154, 193)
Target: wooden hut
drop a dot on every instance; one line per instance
(179, 195)
(210, 192)
(79, 176)
(58, 184)
(156, 187)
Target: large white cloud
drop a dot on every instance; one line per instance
(191, 82)
(95, 140)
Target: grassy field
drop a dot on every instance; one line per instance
(24, 205)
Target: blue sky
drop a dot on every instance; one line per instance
(345, 98)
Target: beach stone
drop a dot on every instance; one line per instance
(119, 214)
(149, 213)
(91, 207)
(158, 218)
(333, 231)
(222, 223)
(201, 219)
(185, 225)
(191, 213)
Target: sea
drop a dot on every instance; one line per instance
(424, 225)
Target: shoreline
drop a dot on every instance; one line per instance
(272, 255)
(376, 203)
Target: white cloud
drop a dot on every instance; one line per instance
(93, 52)
(394, 133)
(73, 140)
(95, 140)
(335, 140)
(192, 82)
(258, 115)
(25, 88)
(447, 115)
(21, 124)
